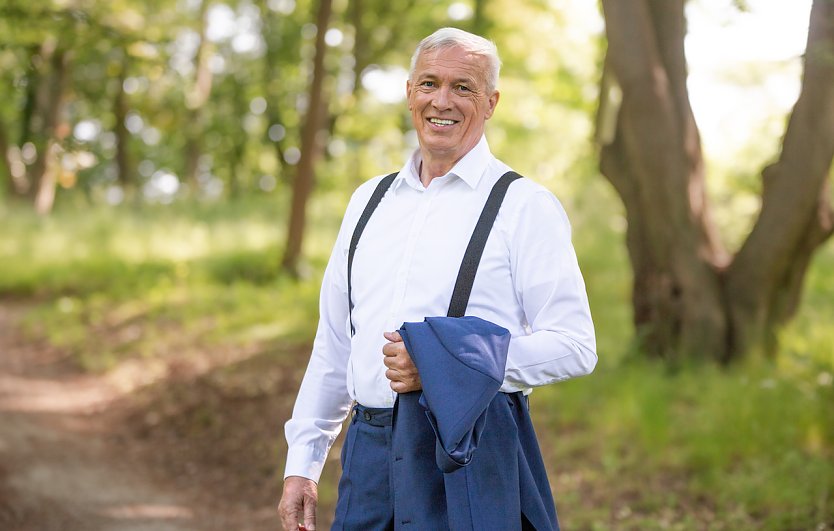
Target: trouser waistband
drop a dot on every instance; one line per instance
(383, 416)
(375, 416)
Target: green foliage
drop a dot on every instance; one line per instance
(744, 448)
(250, 125)
(152, 281)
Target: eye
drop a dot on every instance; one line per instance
(427, 84)
(463, 88)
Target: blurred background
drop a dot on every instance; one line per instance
(174, 174)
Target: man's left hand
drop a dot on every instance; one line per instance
(401, 370)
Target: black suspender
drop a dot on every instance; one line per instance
(475, 249)
(472, 256)
(373, 202)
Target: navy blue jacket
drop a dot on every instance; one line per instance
(465, 456)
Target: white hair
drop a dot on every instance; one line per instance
(475, 44)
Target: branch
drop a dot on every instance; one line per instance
(794, 185)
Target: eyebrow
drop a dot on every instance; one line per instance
(459, 80)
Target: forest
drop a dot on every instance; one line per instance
(174, 173)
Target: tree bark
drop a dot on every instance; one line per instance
(765, 280)
(311, 146)
(30, 103)
(361, 44)
(689, 299)
(655, 164)
(6, 163)
(46, 135)
(124, 162)
(195, 99)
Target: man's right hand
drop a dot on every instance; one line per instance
(298, 503)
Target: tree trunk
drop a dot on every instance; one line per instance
(764, 282)
(6, 163)
(13, 165)
(30, 103)
(124, 161)
(311, 145)
(195, 99)
(361, 45)
(271, 80)
(480, 23)
(689, 300)
(43, 173)
(238, 141)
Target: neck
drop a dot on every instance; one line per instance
(434, 164)
(431, 168)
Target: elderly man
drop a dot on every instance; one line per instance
(404, 268)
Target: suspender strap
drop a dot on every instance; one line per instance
(373, 202)
(472, 256)
(475, 249)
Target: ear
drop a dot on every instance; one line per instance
(408, 93)
(492, 102)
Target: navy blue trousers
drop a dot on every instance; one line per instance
(366, 500)
(366, 487)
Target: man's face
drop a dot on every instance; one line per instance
(449, 102)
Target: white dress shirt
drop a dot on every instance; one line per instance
(405, 269)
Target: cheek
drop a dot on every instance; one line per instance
(414, 104)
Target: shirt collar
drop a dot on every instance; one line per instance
(470, 168)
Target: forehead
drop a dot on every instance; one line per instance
(451, 61)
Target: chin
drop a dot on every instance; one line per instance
(446, 146)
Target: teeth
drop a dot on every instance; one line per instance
(441, 122)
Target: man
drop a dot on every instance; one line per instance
(404, 269)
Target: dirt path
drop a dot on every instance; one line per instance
(64, 464)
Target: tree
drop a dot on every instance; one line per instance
(196, 97)
(690, 297)
(50, 129)
(123, 159)
(311, 146)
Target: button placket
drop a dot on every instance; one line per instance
(418, 223)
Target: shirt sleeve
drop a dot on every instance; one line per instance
(323, 400)
(560, 343)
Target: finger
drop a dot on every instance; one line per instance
(394, 336)
(392, 375)
(398, 363)
(289, 517)
(394, 350)
(310, 514)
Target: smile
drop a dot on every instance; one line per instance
(438, 121)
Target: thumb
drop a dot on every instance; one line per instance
(394, 336)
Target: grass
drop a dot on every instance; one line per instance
(635, 446)
(724, 449)
(148, 277)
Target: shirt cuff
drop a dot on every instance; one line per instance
(304, 461)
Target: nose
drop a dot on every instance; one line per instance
(442, 100)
